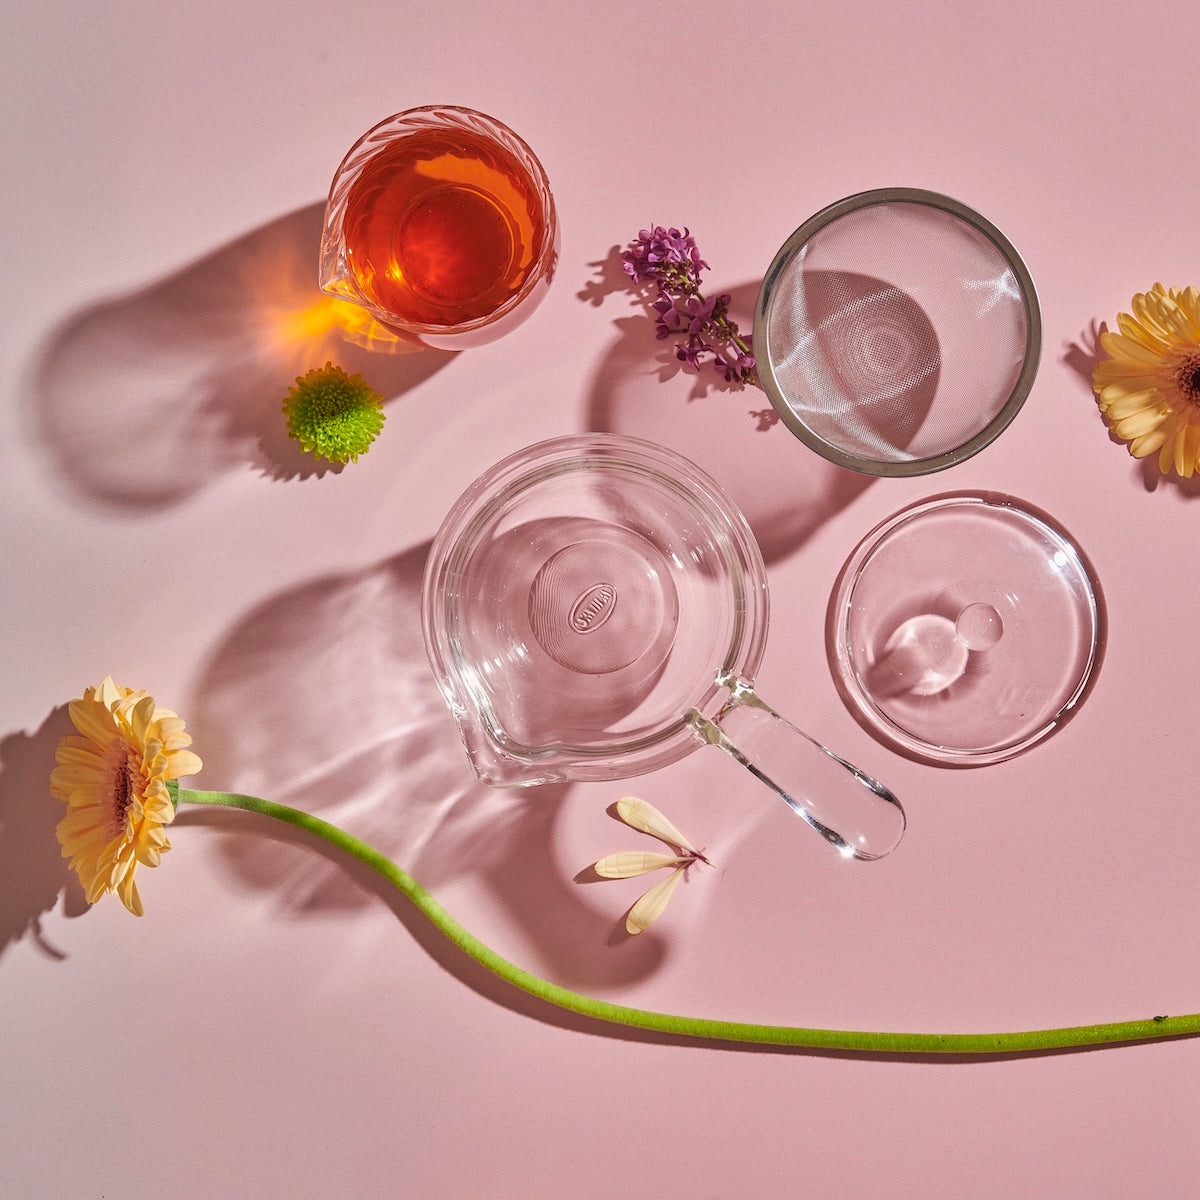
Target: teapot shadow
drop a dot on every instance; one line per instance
(322, 698)
(145, 399)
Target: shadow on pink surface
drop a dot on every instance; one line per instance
(33, 874)
(322, 698)
(145, 399)
(641, 389)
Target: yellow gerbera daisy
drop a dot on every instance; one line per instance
(113, 778)
(1149, 390)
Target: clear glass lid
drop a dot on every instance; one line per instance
(966, 629)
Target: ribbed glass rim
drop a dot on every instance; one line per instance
(371, 142)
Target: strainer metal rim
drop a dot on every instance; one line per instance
(914, 466)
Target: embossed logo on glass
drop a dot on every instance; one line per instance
(593, 608)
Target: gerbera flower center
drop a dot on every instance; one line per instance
(1183, 370)
(124, 774)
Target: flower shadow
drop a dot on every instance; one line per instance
(786, 491)
(144, 399)
(609, 279)
(1085, 352)
(322, 698)
(33, 874)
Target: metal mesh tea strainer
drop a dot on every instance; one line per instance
(897, 332)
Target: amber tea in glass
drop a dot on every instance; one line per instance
(440, 222)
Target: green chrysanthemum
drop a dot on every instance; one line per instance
(333, 415)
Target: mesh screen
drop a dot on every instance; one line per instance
(897, 332)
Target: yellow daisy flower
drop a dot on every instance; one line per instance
(1149, 390)
(113, 778)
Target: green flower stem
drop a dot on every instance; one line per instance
(700, 1027)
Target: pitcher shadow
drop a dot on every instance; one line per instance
(322, 698)
(144, 399)
(786, 491)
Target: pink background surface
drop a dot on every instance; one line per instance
(277, 1025)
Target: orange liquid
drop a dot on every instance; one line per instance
(442, 227)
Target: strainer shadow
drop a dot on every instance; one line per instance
(785, 491)
(861, 374)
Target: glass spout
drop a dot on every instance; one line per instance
(334, 278)
(852, 811)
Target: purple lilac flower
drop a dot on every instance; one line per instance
(663, 256)
(670, 260)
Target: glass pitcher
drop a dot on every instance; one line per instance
(596, 607)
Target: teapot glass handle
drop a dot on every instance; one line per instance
(849, 809)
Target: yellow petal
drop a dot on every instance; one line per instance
(1171, 318)
(1139, 423)
(1166, 454)
(78, 750)
(1187, 450)
(1145, 330)
(69, 776)
(112, 855)
(172, 730)
(129, 895)
(1148, 443)
(1123, 347)
(93, 720)
(643, 816)
(1189, 301)
(1179, 450)
(1118, 405)
(1124, 383)
(101, 882)
(91, 796)
(158, 810)
(1110, 371)
(634, 862)
(82, 858)
(79, 820)
(183, 762)
(153, 836)
(650, 907)
(141, 719)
